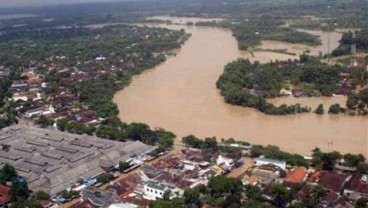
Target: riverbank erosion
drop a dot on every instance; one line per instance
(180, 95)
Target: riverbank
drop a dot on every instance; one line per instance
(180, 95)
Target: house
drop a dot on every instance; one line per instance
(26, 96)
(332, 181)
(156, 190)
(296, 176)
(304, 192)
(188, 165)
(246, 149)
(99, 198)
(332, 199)
(342, 90)
(40, 111)
(19, 85)
(221, 160)
(357, 186)
(343, 166)
(45, 203)
(262, 175)
(298, 93)
(285, 92)
(264, 161)
(19, 96)
(314, 177)
(100, 58)
(4, 195)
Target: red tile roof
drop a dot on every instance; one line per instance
(304, 192)
(296, 176)
(313, 178)
(4, 194)
(332, 181)
(357, 184)
(44, 203)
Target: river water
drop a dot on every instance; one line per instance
(180, 95)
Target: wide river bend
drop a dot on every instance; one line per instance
(180, 95)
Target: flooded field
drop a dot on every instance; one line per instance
(180, 95)
(329, 40)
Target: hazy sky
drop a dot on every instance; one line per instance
(21, 3)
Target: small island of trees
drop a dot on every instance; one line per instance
(250, 84)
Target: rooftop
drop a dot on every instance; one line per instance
(100, 198)
(296, 176)
(4, 194)
(157, 186)
(52, 161)
(332, 181)
(270, 161)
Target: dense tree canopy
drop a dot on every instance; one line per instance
(247, 84)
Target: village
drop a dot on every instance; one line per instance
(64, 142)
(135, 178)
(75, 79)
(171, 175)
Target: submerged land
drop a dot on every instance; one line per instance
(208, 88)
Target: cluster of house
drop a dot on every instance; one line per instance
(48, 87)
(167, 178)
(33, 97)
(343, 187)
(343, 87)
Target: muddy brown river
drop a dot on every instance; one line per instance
(180, 95)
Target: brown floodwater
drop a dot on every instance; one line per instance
(180, 95)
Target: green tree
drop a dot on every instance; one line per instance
(210, 143)
(167, 194)
(319, 109)
(352, 100)
(104, 178)
(164, 138)
(353, 160)
(8, 173)
(5, 147)
(361, 203)
(44, 122)
(329, 160)
(317, 192)
(317, 155)
(223, 186)
(193, 141)
(191, 197)
(41, 195)
(253, 192)
(335, 109)
(177, 203)
(61, 124)
(280, 193)
(19, 190)
(123, 166)
(69, 194)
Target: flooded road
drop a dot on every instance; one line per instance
(180, 95)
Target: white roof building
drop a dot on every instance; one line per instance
(265, 161)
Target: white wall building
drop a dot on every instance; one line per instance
(221, 160)
(188, 165)
(40, 111)
(264, 161)
(155, 190)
